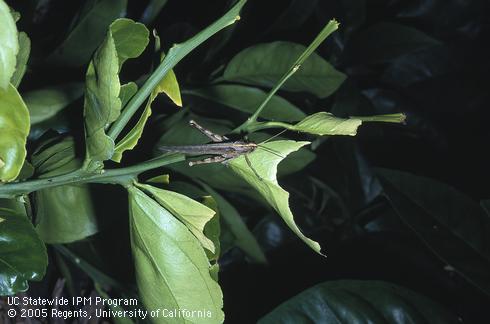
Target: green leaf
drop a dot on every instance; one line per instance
(169, 86)
(212, 230)
(102, 103)
(172, 270)
(45, 103)
(127, 92)
(190, 212)
(264, 164)
(352, 301)
(175, 54)
(64, 214)
(14, 128)
(103, 100)
(243, 238)
(387, 41)
(22, 58)
(88, 33)
(453, 226)
(247, 99)
(10, 45)
(324, 123)
(23, 255)
(164, 179)
(130, 38)
(265, 64)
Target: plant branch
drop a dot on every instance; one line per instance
(114, 176)
(174, 55)
(332, 26)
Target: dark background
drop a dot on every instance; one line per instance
(442, 89)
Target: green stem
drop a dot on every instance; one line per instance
(388, 118)
(116, 176)
(174, 55)
(332, 26)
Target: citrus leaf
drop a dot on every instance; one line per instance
(190, 212)
(353, 301)
(164, 179)
(265, 64)
(324, 123)
(127, 92)
(212, 230)
(172, 270)
(170, 87)
(64, 214)
(23, 255)
(386, 41)
(453, 226)
(247, 99)
(243, 237)
(102, 103)
(45, 103)
(22, 58)
(10, 45)
(14, 127)
(88, 32)
(263, 163)
(167, 85)
(130, 38)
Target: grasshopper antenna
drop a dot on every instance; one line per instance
(268, 149)
(272, 137)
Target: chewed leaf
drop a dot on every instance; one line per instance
(243, 237)
(102, 103)
(130, 38)
(167, 85)
(170, 86)
(263, 163)
(324, 123)
(190, 212)
(172, 269)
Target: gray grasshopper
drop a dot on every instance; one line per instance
(222, 148)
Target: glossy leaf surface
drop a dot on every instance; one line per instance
(349, 301)
(265, 64)
(23, 256)
(454, 227)
(14, 128)
(247, 99)
(88, 32)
